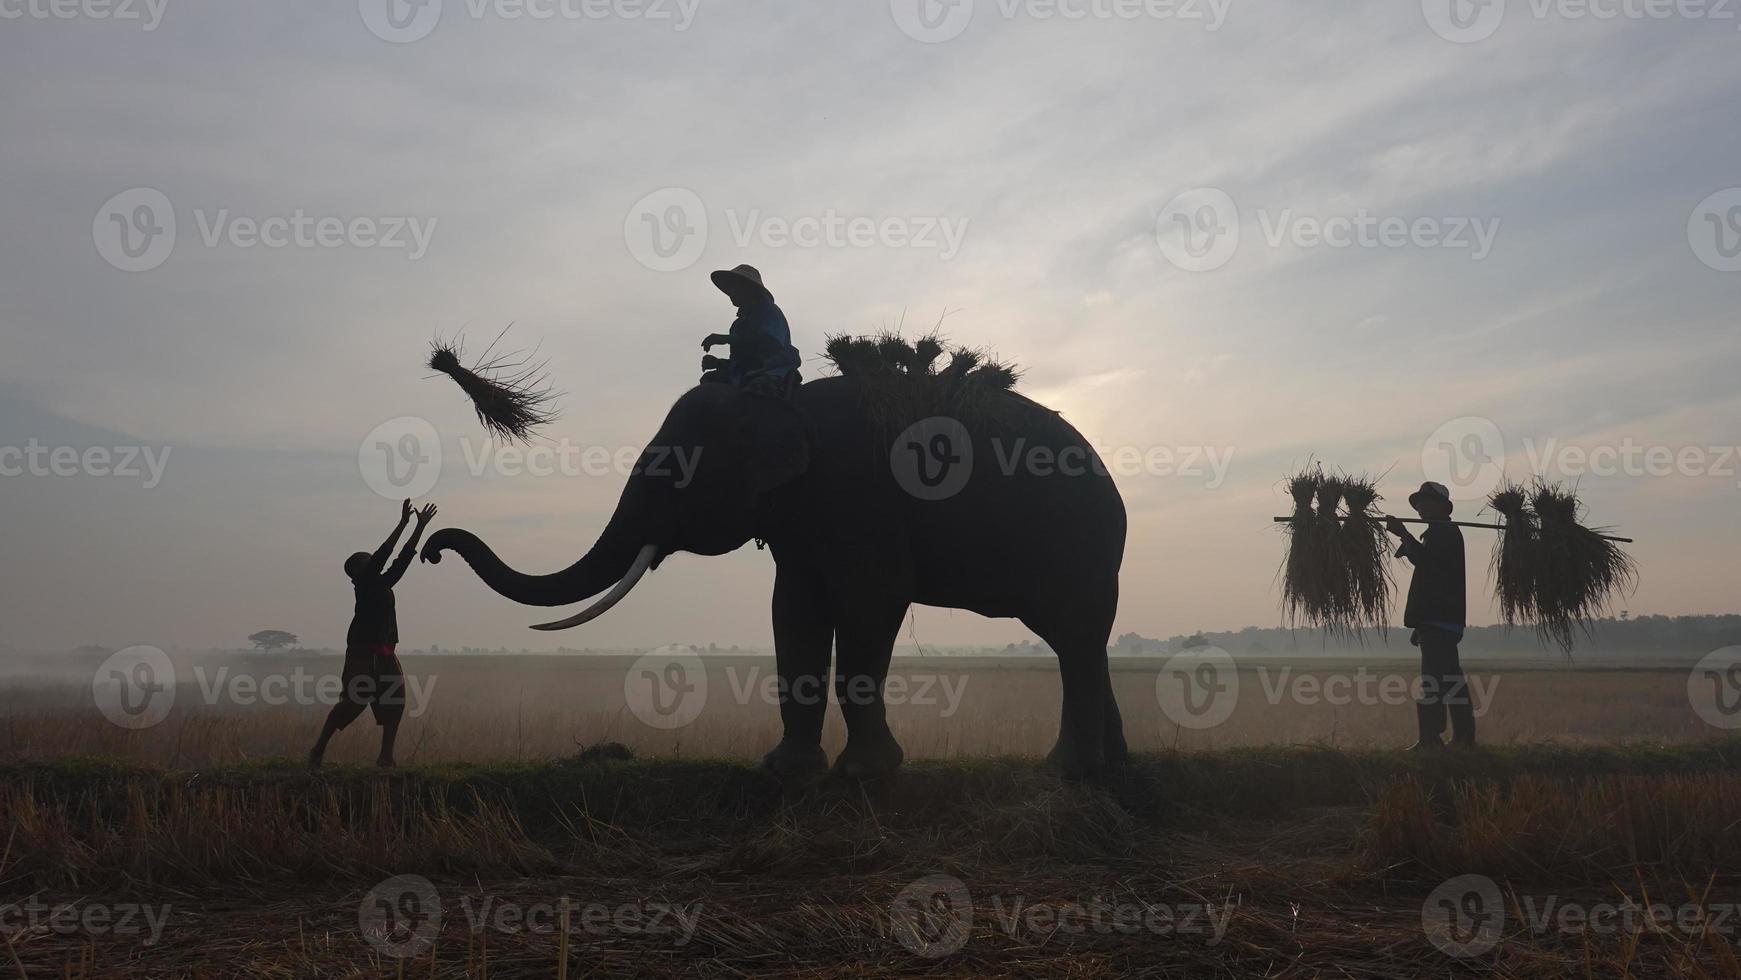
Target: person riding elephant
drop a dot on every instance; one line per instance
(762, 355)
(874, 490)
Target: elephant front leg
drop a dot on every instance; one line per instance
(867, 642)
(802, 638)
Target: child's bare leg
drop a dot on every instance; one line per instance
(389, 732)
(342, 714)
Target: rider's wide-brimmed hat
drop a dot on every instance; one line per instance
(745, 280)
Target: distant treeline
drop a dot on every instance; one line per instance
(1643, 634)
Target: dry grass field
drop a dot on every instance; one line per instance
(1593, 836)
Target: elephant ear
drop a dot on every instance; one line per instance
(774, 441)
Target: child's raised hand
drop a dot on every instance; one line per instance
(425, 515)
(405, 510)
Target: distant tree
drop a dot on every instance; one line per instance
(271, 640)
(1195, 641)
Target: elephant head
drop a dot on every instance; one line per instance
(697, 487)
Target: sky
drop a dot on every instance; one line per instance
(1441, 239)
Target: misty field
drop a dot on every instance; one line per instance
(494, 708)
(542, 824)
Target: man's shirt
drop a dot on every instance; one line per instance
(761, 343)
(1437, 593)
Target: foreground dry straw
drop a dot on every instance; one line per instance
(1318, 863)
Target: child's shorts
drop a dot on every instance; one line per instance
(372, 679)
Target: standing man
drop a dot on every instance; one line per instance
(1436, 612)
(762, 355)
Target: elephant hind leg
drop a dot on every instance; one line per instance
(1090, 730)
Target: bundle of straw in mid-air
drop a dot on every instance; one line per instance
(510, 392)
(1335, 575)
(1549, 568)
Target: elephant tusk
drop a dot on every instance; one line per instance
(643, 561)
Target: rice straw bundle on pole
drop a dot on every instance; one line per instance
(1335, 576)
(1578, 570)
(1550, 571)
(510, 392)
(1302, 580)
(1363, 548)
(1514, 562)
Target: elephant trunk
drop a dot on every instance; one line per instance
(603, 566)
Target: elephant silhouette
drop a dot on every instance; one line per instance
(883, 486)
